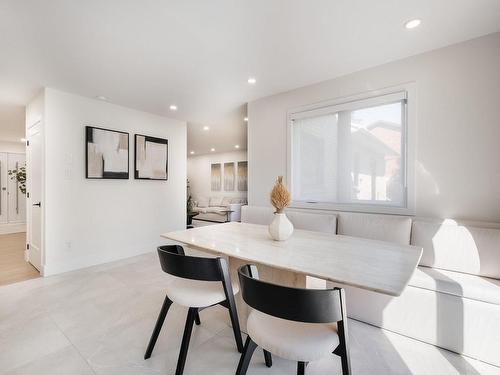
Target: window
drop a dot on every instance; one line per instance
(351, 155)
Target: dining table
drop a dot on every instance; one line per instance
(378, 266)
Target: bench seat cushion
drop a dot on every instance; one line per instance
(459, 284)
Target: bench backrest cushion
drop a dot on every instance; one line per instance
(326, 223)
(462, 248)
(390, 228)
(301, 220)
(256, 215)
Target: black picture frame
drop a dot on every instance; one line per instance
(154, 140)
(105, 175)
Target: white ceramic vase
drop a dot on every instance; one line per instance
(280, 228)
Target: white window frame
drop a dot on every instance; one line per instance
(351, 102)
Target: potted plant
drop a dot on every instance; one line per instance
(280, 228)
(189, 205)
(19, 175)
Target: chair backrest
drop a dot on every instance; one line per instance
(390, 228)
(301, 305)
(174, 262)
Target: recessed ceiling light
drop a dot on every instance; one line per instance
(236, 146)
(23, 140)
(206, 128)
(245, 119)
(192, 152)
(100, 97)
(413, 23)
(212, 149)
(173, 107)
(252, 80)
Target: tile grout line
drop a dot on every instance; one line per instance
(72, 344)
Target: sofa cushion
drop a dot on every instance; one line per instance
(457, 284)
(226, 201)
(213, 210)
(215, 201)
(390, 228)
(202, 202)
(315, 222)
(239, 200)
(450, 246)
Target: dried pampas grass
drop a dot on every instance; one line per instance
(280, 197)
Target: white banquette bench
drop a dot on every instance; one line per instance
(453, 298)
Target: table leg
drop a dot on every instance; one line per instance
(266, 273)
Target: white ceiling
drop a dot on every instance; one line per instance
(149, 54)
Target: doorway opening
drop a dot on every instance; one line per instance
(14, 253)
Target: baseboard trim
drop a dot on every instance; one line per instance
(10, 228)
(58, 268)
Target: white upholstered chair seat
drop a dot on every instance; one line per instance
(196, 293)
(292, 340)
(457, 284)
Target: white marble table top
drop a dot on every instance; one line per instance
(374, 265)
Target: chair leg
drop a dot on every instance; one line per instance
(228, 291)
(197, 318)
(246, 356)
(235, 323)
(268, 358)
(343, 349)
(185, 340)
(301, 368)
(158, 325)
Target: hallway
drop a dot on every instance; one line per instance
(13, 267)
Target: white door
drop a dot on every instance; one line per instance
(35, 204)
(3, 188)
(17, 199)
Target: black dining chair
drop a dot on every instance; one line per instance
(196, 283)
(302, 325)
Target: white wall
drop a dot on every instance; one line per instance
(14, 147)
(458, 127)
(198, 170)
(95, 221)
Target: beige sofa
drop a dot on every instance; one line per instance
(214, 209)
(453, 298)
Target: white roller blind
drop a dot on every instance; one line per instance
(351, 153)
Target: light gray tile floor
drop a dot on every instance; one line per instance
(98, 321)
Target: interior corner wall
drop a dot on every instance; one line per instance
(458, 127)
(199, 174)
(89, 222)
